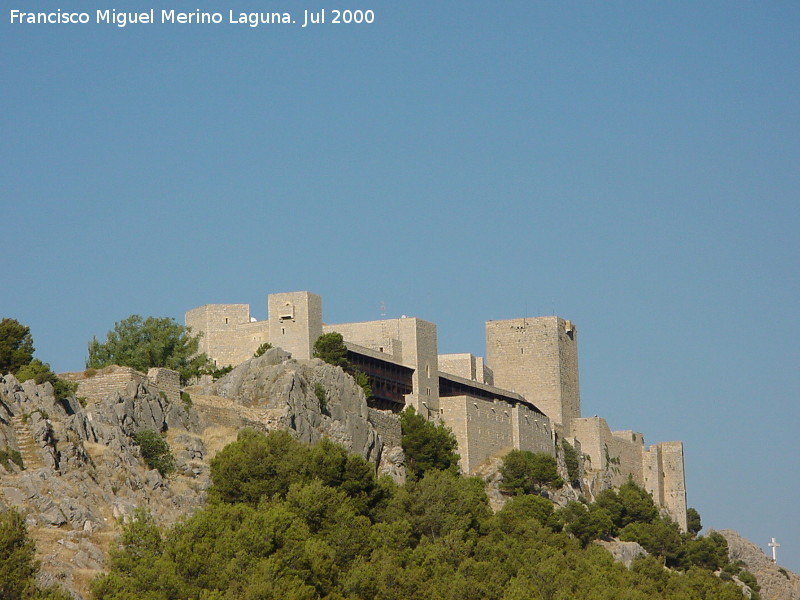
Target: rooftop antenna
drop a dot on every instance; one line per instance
(383, 308)
(774, 545)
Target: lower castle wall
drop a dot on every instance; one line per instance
(167, 381)
(620, 453)
(486, 428)
(109, 380)
(533, 431)
(387, 425)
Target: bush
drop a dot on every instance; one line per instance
(13, 456)
(16, 346)
(151, 342)
(363, 381)
(18, 566)
(322, 396)
(330, 348)
(262, 349)
(41, 373)
(427, 446)
(155, 451)
(186, 399)
(527, 472)
(571, 460)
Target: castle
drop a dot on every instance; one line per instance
(525, 395)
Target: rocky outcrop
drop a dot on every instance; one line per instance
(314, 400)
(624, 552)
(776, 582)
(82, 472)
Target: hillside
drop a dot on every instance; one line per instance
(84, 473)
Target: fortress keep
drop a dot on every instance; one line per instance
(525, 396)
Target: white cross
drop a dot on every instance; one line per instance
(774, 545)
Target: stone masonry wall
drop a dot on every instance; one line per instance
(96, 386)
(674, 481)
(167, 381)
(620, 453)
(105, 382)
(486, 428)
(462, 365)
(532, 431)
(388, 426)
(228, 337)
(537, 358)
(467, 366)
(295, 322)
(482, 427)
(410, 341)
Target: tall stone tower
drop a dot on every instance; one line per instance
(295, 322)
(537, 358)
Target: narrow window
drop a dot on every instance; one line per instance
(226, 320)
(283, 330)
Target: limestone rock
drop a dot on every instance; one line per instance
(624, 552)
(84, 475)
(776, 583)
(289, 388)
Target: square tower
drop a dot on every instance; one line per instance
(295, 322)
(537, 358)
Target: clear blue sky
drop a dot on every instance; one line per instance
(631, 166)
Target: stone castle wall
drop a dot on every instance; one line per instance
(408, 340)
(467, 366)
(537, 358)
(295, 322)
(487, 428)
(388, 426)
(228, 336)
(97, 385)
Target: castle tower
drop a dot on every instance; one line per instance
(537, 358)
(219, 328)
(295, 322)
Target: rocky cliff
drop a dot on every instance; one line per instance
(776, 583)
(82, 472)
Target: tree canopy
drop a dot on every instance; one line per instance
(16, 346)
(427, 445)
(303, 532)
(330, 348)
(527, 472)
(152, 342)
(18, 567)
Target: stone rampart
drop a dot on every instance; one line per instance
(167, 381)
(388, 426)
(486, 428)
(96, 385)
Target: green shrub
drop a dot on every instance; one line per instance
(527, 472)
(363, 381)
(13, 456)
(41, 373)
(262, 349)
(186, 399)
(427, 446)
(330, 348)
(155, 451)
(571, 460)
(322, 396)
